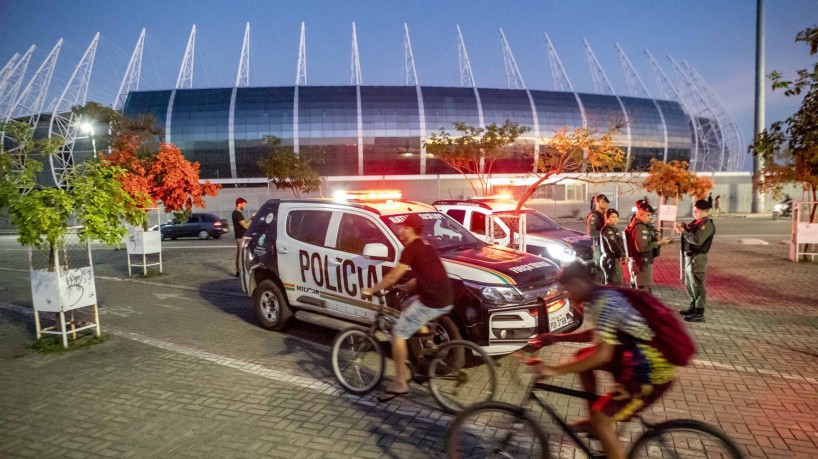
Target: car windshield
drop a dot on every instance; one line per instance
(441, 231)
(535, 222)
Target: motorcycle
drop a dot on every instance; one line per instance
(783, 209)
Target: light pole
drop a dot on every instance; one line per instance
(88, 128)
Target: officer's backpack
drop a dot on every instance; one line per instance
(670, 336)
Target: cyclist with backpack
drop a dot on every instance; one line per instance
(635, 337)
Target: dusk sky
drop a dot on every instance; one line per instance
(717, 38)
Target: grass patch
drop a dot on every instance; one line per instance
(152, 274)
(53, 344)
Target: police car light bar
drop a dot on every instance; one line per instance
(495, 197)
(367, 195)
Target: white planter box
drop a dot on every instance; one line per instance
(63, 291)
(139, 242)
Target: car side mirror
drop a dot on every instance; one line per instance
(376, 250)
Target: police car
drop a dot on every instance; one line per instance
(543, 236)
(311, 258)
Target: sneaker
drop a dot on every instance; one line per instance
(697, 316)
(688, 312)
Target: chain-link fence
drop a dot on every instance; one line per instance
(69, 253)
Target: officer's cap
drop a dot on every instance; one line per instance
(643, 205)
(702, 204)
(602, 197)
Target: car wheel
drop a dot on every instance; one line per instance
(163, 236)
(270, 305)
(203, 234)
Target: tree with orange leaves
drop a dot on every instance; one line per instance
(674, 179)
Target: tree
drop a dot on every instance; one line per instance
(165, 177)
(287, 169)
(790, 148)
(474, 150)
(41, 214)
(674, 179)
(579, 150)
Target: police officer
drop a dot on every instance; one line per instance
(642, 242)
(594, 222)
(696, 239)
(612, 249)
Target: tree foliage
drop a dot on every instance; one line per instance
(674, 179)
(472, 151)
(287, 169)
(41, 214)
(165, 177)
(578, 150)
(789, 148)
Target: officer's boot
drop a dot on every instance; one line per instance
(697, 316)
(689, 311)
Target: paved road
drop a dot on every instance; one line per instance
(188, 372)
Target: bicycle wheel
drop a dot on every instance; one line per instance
(496, 429)
(461, 374)
(357, 360)
(684, 438)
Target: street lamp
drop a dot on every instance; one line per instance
(88, 128)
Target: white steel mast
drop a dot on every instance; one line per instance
(709, 125)
(185, 78)
(301, 69)
(515, 79)
(12, 83)
(130, 81)
(466, 75)
(64, 121)
(6, 71)
(355, 64)
(670, 92)
(243, 74)
(409, 59)
(561, 79)
(602, 82)
(637, 88)
(31, 101)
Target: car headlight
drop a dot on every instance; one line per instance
(495, 294)
(778, 207)
(562, 253)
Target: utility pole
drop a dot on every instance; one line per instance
(759, 124)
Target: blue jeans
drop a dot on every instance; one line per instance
(415, 315)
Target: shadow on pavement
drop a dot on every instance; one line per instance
(226, 294)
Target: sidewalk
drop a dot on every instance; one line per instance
(189, 373)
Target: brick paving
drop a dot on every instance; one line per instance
(189, 373)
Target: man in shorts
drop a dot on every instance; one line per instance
(434, 297)
(621, 338)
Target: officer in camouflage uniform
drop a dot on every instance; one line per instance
(613, 250)
(696, 239)
(642, 242)
(594, 222)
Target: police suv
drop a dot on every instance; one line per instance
(543, 236)
(311, 258)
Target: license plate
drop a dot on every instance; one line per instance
(558, 319)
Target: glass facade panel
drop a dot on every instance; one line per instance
(444, 107)
(647, 131)
(391, 126)
(328, 121)
(199, 128)
(260, 112)
(500, 105)
(556, 110)
(679, 131)
(153, 103)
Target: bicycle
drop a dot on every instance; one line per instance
(459, 372)
(499, 429)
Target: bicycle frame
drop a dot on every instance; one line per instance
(533, 394)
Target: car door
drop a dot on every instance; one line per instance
(349, 270)
(302, 252)
(190, 227)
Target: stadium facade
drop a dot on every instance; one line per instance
(382, 130)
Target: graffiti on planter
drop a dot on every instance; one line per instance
(78, 285)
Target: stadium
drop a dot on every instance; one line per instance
(379, 133)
